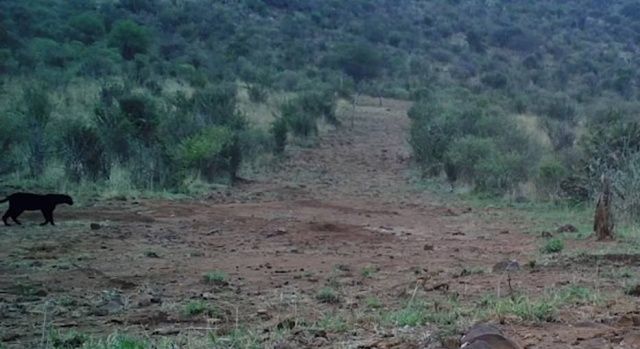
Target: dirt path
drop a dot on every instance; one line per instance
(340, 217)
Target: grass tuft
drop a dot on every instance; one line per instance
(328, 295)
(198, 307)
(216, 277)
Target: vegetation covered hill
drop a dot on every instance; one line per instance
(509, 92)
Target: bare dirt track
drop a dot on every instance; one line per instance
(342, 215)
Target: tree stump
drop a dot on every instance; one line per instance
(603, 221)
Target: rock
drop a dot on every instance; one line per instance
(428, 247)
(278, 232)
(567, 228)
(113, 306)
(546, 234)
(263, 314)
(504, 232)
(209, 295)
(506, 265)
(286, 324)
(95, 226)
(165, 331)
(151, 254)
(148, 300)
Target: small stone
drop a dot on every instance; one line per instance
(263, 314)
(567, 228)
(208, 295)
(546, 234)
(166, 331)
(428, 247)
(95, 226)
(506, 265)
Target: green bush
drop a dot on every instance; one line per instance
(216, 105)
(303, 124)
(10, 138)
(216, 277)
(495, 80)
(550, 175)
(208, 152)
(257, 93)
(279, 130)
(608, 145)
(130, 38)
(140, 111)
(254, 141)
(468, 154)
(319, 104)
(471, 141)
(87, 27)
(82, 151)
(554, 245)
(51, 53)
(328, 295)
(38, 109)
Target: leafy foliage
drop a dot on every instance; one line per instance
(209, 151)
(472, 142)
(130, 38)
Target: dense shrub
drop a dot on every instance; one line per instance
(38, 108)
(140, 114)
(279, 131)
(82, 151)
(217, 106)
(87, 27)
(608, 147)
(551, 173)
(319, 104)
(495, 80)
(301, 123)
(481, 146)
(257, 93)
(209, 152)
(130, 38)
(155, 48)
(10, 136)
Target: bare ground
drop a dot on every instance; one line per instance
(342, 215)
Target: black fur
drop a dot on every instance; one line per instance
(20, 202)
